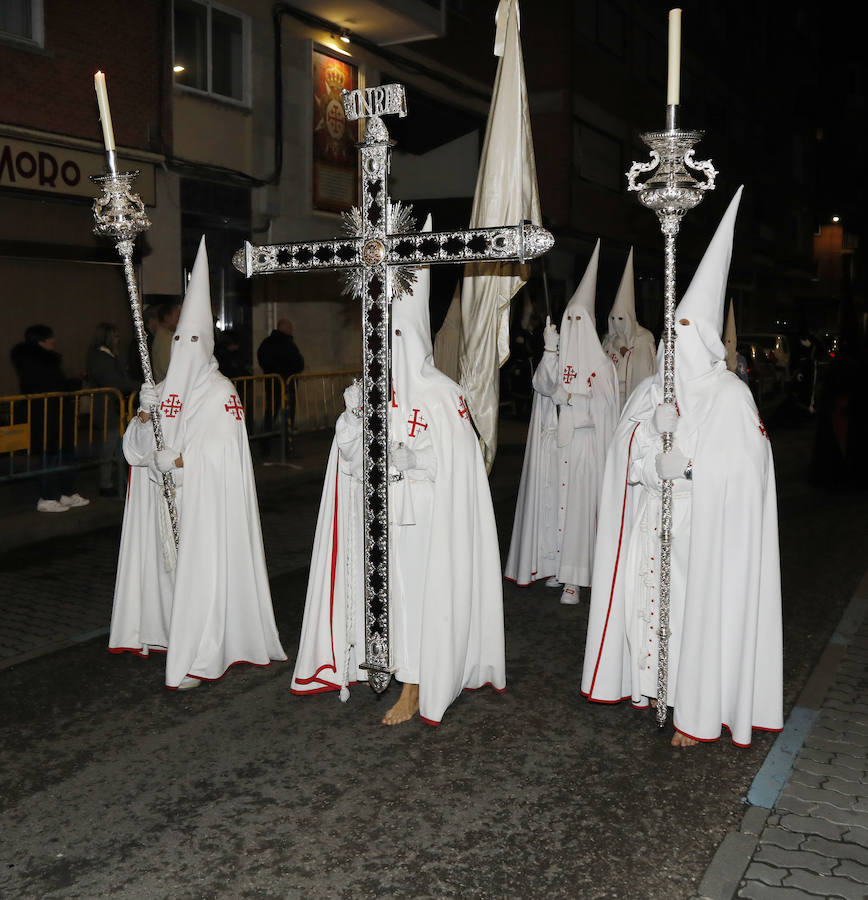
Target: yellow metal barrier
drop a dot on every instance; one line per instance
(58, 430)
(319, 398)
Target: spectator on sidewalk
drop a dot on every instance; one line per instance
(278, 354)
(229, 355)
(52, 423)
(161, 347)
(105, 370)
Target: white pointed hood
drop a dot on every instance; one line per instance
(192, 360)
(412, 349)
(730, 339)
(698, 345)
(623, 324)
(699, 349)
(579, 350)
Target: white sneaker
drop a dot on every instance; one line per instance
(74, 500)
(50, 506)
(188, 683)
(570, 596)
(553, 582)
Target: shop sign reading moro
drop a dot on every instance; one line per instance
(30, 166)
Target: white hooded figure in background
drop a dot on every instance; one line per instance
(735, 362)
(564, 459)
(446, 602)
(630, 346)
(725, 659)
(208, 605)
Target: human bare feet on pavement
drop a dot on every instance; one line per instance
(682, 740)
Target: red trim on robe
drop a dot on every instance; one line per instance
(333, 665)
(238, 662)
(614, 574)
(328, 688)
(727, 727)
(487, 684)
(527, 583)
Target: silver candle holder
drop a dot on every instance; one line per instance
(670, 190)
(119, 214)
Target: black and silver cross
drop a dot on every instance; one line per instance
(378, 260)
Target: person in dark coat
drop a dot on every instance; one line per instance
(105, 370)
(52, 425)
(279, 355)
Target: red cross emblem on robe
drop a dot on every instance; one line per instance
(416, 422)
(763, 431)
(394, 399)
(234, 408)
(171, 406)
(569, 374)
(462, 408)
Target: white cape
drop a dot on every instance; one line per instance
(446, 600)
(636, 364)
(533, 549)
(214, 609)
(725, 644)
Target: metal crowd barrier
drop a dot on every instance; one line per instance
(41, 433)
(264, 400)
(51, 432)
(316, 399)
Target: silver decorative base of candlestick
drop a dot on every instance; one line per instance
(119, 214)
(670, 190)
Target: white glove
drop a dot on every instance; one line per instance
(561, 396)
(671, 465)
(149, 397)
(665, 418)
(401, 457)
(353, 398)
(550, 336)
(165, 459)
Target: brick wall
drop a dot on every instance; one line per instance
(52, 89)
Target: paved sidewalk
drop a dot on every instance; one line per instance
(805, 832)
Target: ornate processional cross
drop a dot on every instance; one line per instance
(378, 258)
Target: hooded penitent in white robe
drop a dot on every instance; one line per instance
(533, 550)
(630, 346)
(209, 606)
(725, 663)
(445, 588)
(581, 380)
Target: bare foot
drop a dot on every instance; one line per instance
(406, 707)
(682, 740)
(653, 702)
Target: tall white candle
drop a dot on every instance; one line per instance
(105, 115)
(673, 85)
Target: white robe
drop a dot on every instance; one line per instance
(577, 453)
(533, 550)
(214, 609)
(636, 364)
(445, 595)
(725, 601)
(446, 599)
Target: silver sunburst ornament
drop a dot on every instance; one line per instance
(401, 221)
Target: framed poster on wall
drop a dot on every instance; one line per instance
(335, 158)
